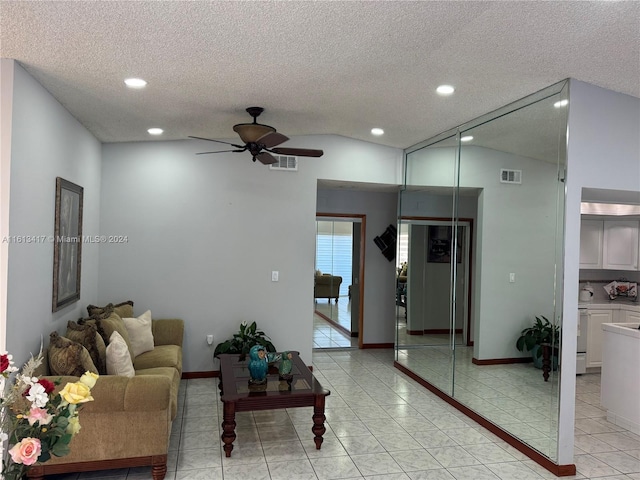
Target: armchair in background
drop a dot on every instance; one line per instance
(327, 286)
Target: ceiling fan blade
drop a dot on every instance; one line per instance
(298, 152)
(218, 141)
(272, 139)
(221, 151)
(266, 158)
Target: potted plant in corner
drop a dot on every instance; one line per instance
(241, 342)
(541, 333)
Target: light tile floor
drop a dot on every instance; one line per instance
(326, 335)
(381, 425)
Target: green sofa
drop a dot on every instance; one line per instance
(327, 286)
(129, 422)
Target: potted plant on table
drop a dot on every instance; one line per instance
(241, 342)
(541, 334)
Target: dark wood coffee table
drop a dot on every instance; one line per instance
(302, 390)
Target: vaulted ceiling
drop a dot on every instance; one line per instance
(316, 67)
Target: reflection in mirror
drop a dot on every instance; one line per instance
(423, 286)
(337, 258)
(491, 209)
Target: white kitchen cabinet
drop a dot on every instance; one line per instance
(591, 235)
(595, 336)
(619, 245)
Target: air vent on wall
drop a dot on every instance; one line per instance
(510, 176)
(285, 162)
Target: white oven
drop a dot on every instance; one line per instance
(581, 356)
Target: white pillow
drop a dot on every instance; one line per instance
(118, 357)
(140, 335)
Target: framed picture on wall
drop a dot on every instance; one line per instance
(440, 239)
(67, 244)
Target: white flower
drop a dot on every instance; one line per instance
(3, 437)
(37, 396)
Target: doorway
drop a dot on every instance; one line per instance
(429, 311)
(337, 285)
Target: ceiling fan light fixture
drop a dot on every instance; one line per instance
(250, 132)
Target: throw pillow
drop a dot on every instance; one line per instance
(118, 358)
(89, 338)
(112, 324)
(68, 358)
(124, 309)
(140, 334)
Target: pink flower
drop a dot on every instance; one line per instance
(39, 415)
(26, 451)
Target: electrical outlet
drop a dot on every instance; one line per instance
(210, 339)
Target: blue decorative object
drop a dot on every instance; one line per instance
(258, 365)
(286, 365)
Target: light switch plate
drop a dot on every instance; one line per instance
(274, 276)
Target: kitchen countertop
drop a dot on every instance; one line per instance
(628, 329)
(617, 304)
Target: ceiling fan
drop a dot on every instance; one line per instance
(261, 141)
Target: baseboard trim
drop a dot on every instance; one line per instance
(378, 345)
(342, 329)
(433, 331)
(208, 374)
(558, 470)
(501, 361)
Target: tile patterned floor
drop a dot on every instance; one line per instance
(381, 425)
(325, 335)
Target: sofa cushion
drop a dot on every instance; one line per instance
(89, 338)
(160, 356)
(123, 309)
(173, 375)
(118, 357)
(114, 323)
(140, 335)
(66, 357)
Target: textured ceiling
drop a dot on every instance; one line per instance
(317, 67)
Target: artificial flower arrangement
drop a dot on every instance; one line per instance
(36, 422)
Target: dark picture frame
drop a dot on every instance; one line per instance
(440, 238)
(67, 244)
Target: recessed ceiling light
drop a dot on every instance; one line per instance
(466, 138)
(445, 90)
(377, 131)
(155, 131)
(561, 103)
(135, 83)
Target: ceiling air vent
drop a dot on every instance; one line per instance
(285, 162)
(510, 176)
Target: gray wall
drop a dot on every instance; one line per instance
(46, 142)
(205, 233)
